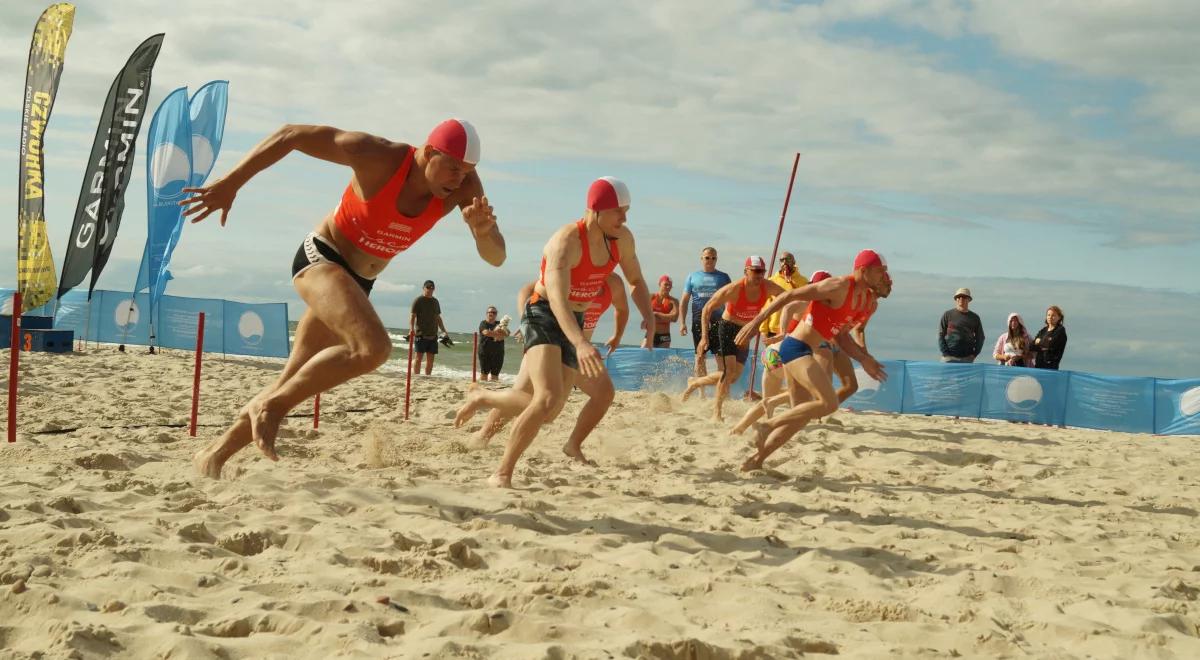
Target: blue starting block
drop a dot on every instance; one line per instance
(27, 323)
(48, 341)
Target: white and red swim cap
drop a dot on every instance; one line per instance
(456, 137)
(819, 275)
(607, 193)
(868, 258)
(756, 263)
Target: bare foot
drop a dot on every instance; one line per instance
(264, 426)
(469, 408)
(690, 388)
(576, 454)
(206, 464)
(500, 481)
(752, 463)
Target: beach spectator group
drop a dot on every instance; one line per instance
(961, 337)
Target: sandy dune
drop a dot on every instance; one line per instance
(875, 536)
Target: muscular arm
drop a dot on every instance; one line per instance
(522, 298)
(632, 269)
(824, 290)
(859, 334)
(489, 242)
(620, 304)
(852, 349)
(725, 294)
(683, 307)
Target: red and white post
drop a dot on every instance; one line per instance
(317, 411)
(196, 376)
(13, 363)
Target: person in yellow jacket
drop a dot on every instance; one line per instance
(788, 277)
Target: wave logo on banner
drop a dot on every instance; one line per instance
(207, 120)
(168, 172)
(35, 263)
(1189, 403)
(126, 314)
(1024, 392)
(251, 328)
(867, 387)
(102, 197)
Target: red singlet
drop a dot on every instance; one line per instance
(375, 226)
(587, 279)
(661, 305)
(743, 311)
(600, 304)
(830, 322)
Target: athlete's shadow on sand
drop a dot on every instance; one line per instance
(957, 437)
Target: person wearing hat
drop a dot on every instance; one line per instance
(665, 310)
(960, 334)
(742, 301)
(396, 194)
(789, 277)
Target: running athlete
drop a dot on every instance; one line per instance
(742, 300)
(834, 305)
(396, 194)
(699, 288)
(839, 364)
(665, 310)
(599, 389)
(552, 325)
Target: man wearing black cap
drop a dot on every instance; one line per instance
(960, 335)
(425, 321)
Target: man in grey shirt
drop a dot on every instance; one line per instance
(960, 335)
(426, 320)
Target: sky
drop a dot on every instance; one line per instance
(1038, 153)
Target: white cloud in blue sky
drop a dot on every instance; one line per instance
(993, 143)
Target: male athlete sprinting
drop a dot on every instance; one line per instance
(554, 343)
(396, 194)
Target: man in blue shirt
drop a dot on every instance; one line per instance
(699, 287)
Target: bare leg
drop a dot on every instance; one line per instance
(698, 382)
(504, 404)
(496, 418)
(772, 384)
(600, 397)
(429, 363)
(774, 433)
(846, 376)
(732, 371)
(338, 337)
(546, 377)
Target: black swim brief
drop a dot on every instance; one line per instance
(317, 249)
(727, 331)
(539, 327)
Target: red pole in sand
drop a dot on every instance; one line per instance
(474, 355)
(771, 268)
(196, 376)
(12, 367)
(317, 411)
(408, 378)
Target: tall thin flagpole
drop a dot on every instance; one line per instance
(774, 252)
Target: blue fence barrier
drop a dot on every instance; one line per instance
(1070, 398)
(115, 317)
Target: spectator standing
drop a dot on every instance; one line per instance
(491, 346)
(960, 335)
(1014, 348)
(1051, 340)
(426, 320)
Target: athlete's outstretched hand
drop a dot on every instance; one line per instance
(612, 344)
(217, 195)
(590, 364)
(746, 334)
(873, 368)
(479, 215)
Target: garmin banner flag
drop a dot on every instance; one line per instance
(102, 197)
(168, 172)
(35, 264)
(207, 112)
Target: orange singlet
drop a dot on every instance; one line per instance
(587, 279)
(742, 311)
(600, 304)
(375, 226)
(661, 305)
(830, 322)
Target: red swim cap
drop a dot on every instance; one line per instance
(868, 258)
(665, 278)
(607, 193)
(819, 275)
(456, 137)
(755, 263)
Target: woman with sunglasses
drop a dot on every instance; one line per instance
(491, 346)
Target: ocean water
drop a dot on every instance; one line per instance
(451, 362)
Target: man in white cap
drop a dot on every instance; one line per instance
(960, 334)
(397, 193)
(742, 301)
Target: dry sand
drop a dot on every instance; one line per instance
(879, 536)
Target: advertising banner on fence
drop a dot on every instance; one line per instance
(934, 388)
(887, 396)
(1111, 402)
(1024, 395)
(1177, 407)
(35, 264)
